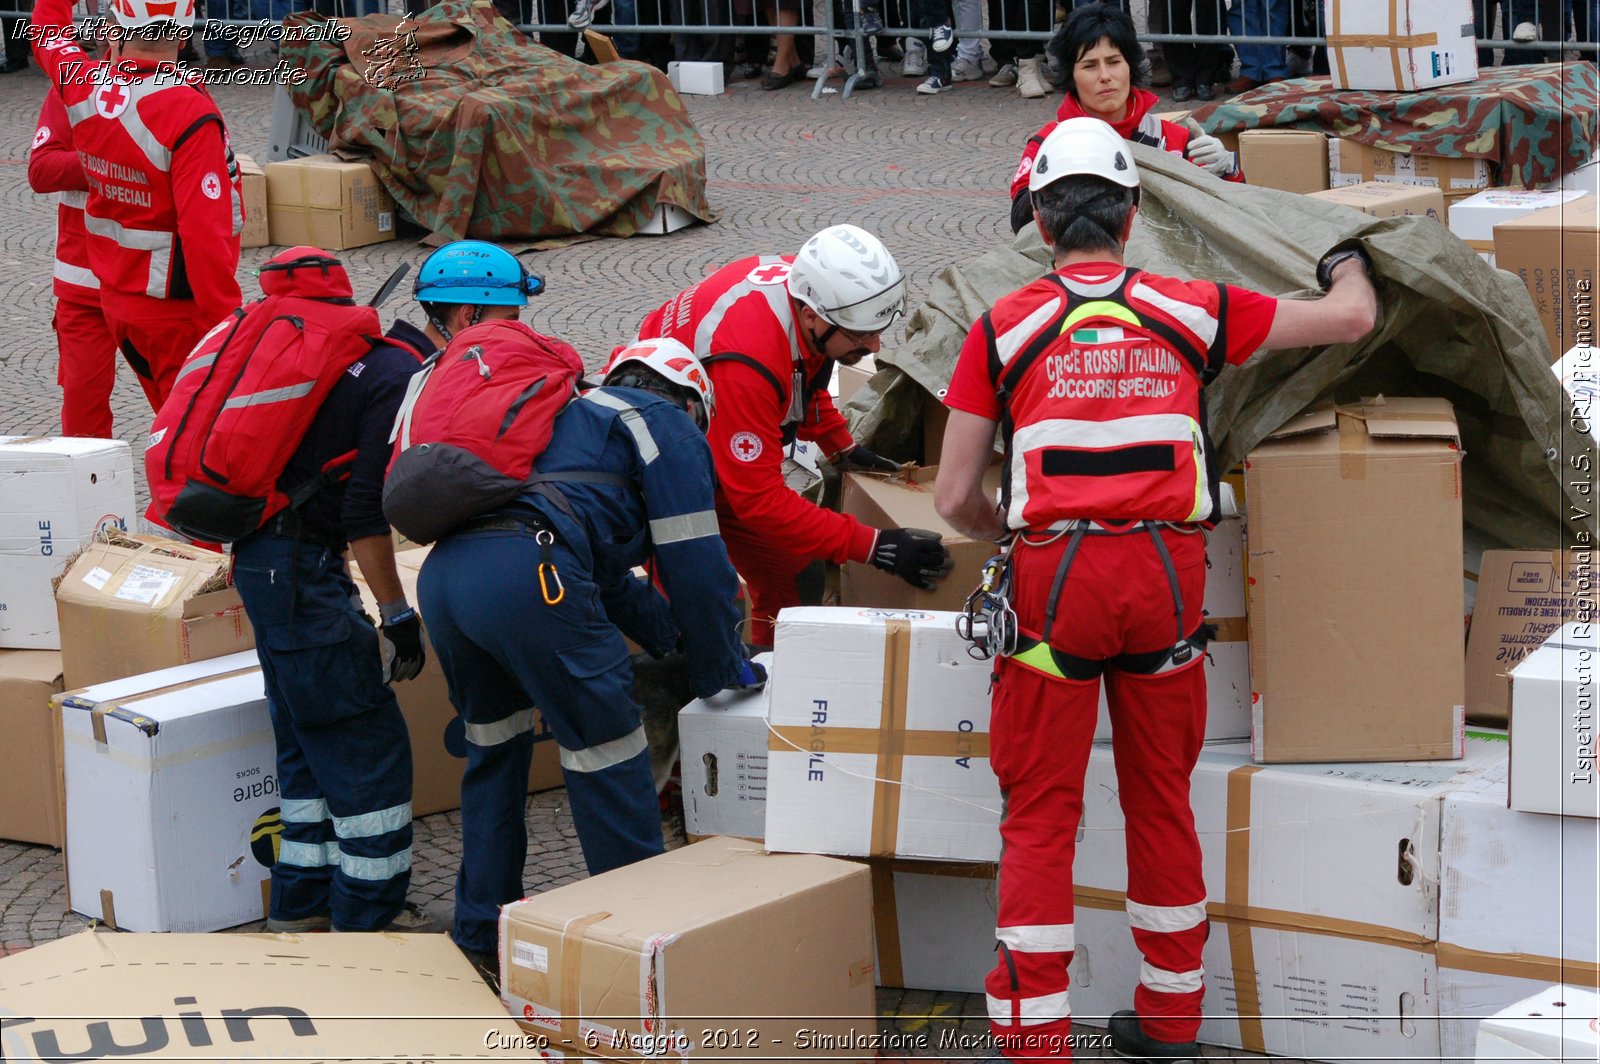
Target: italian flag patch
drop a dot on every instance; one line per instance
(1097, 336)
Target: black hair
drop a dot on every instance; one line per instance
(1087, 27)
(1085, 213)
(638, 375)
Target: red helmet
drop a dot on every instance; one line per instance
(671, 360)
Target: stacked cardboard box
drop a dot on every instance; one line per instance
(1553, 715)
(253, 181)
(1294, 160)
(1523, 596)
(327, 203)
(1473, 219)
(1556, 252)
(1383, 199)
(30, 796)
(1400, 45)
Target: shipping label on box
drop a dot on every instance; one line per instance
(55, 494)
(1291, 992)
(1556, 252)
(1351, 162)
(172, 799)
(880, 743)
(723, 744)
(438, 733)
(1294, 160)
(232, 997)
(906, 501)
(1386, 200)
(253, 183)
(1400, 45)
(1523, 596)
(141, 603)
(673, 957)
(1355, 649)
(30, 793)
(1553, 700)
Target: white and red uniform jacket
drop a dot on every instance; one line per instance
(164, 207)
(1095, 373)
(53, 166)
(1138, 125)
(773, 392)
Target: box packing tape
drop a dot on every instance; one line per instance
(885, 908)
(1394, 40)
(572, 937)
(891, 740)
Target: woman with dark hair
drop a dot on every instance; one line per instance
(1099, 48)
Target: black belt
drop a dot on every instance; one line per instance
(291, 525)
(503, 522)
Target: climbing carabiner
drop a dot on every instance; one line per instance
(547, 569)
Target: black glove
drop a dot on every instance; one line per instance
(915, 555)
(402, 639)
(752, 677)
(858, 457)
(1335, 257)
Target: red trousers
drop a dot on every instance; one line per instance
(769, 574)
(86, 370)
(155, 336)
(1116, 599)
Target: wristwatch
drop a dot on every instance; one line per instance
(1331, 260)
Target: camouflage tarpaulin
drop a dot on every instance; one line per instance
(478, 131)
(1451, 326)
(1534, 122)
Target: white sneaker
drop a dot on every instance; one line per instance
(933, 86)
(1525, 31)
(988, 66)
(1005, 77)
(965, 70)
(1030, 81)
(915, 64)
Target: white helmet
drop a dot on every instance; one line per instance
(847, 276)
(1087, 147)
(132, 14)
(671, 360)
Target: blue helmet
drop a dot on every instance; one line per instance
(474, 272)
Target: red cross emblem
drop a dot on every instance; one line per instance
(776, 273)
(111, 101)
(746, 446)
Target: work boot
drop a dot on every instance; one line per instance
(1129, 1041)
(411, 921)
(1030, 80)
(320, 922)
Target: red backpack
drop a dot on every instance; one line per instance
(247, 394)
(473, 423)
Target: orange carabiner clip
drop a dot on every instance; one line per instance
(548, 570)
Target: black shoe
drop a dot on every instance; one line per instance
(1129, 1040)
(1182, 93)
(1205, 92)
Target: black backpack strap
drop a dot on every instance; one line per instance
(544, 484)
(734, 356)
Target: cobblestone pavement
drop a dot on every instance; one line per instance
(929, 174)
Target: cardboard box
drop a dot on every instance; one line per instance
(1557, 1023)
(236, 997)
(907, 501)
(1473, 219)
(1585, 178)
(668, 218)
(723, 744)
(1351, 162)
(849, 379)
(674, 957)
(1553, 702)
(55, 493)
(1400, 45)
(1523, 597)
(1556, 251)
(142, 604)
(30, 792)
(864, 701)
(1295, 160)
(328, 203)
(253, 181)
(933, 923)
(172, 803)
(1579, 373)
(696, 79)
(1355, 598)
(438, 736)
(1386, 200)
(1228, 656)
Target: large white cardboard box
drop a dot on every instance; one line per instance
(880, 743)
(172, 797)
(723, 744)
(54, 493)
(1553, 709)
(1400, 45)
(933, 923)
(1348, 848)
(1557, 1023)
(94, 996)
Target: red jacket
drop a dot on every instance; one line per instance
(744, 309)
(1138, 125)
(164, 207)
(53, 166)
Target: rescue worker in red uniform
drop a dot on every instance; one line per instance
(87, 365)
(1094, 373)
(768, 330)
(164, 207)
